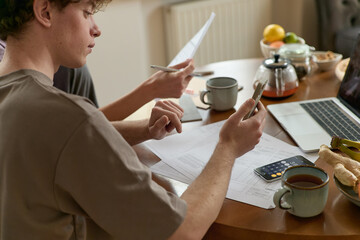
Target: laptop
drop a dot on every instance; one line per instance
(312, 123)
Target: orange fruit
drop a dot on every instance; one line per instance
(276, 44)
(273, 32)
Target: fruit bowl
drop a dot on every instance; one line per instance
(268, 51)
(348, 192)
(326, 60)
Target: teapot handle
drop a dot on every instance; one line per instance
(280, 84)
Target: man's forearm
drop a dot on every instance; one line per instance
(206, 194)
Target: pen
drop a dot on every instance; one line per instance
(194, 74)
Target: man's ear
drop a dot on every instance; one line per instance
(42, 12)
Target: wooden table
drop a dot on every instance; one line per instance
(340, 219)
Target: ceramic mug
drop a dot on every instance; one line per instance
(304, 191)
(221, 93)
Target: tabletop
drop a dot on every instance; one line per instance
(236, 220)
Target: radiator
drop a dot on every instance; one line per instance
(234, 34)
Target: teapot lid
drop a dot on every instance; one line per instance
(295, 50)
(275, 62)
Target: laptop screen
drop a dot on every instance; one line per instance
(349, 92)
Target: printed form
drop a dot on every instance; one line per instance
(185, 155)
(191, 47)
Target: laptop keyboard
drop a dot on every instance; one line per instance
(334, 120)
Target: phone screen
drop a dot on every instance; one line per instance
(274, 171)
(256, 96)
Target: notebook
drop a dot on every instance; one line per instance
(311, 123)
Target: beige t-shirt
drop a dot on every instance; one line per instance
(66, 173)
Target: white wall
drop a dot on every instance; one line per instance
(297, 16)
(117, 62)
(133, 38)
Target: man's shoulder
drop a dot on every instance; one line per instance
(33, 92)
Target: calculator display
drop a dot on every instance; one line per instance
(274, 171)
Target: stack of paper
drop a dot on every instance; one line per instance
(189, 152)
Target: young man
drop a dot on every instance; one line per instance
(65, 172)
(78, 81)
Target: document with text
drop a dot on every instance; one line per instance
(183, 156)
(189, 50)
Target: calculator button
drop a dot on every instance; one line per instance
(279, 174)
(273, 175)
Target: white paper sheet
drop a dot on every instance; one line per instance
(189, 50)
(163, 169)
(189, 152)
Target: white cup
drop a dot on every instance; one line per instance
(221, 93)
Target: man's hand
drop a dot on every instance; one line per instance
(240, 136)
(165, 117)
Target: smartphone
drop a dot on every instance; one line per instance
(273, 171)
(256, 96)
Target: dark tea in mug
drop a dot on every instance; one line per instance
(304, 181)
(304, 191)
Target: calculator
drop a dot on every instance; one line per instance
(274, 171)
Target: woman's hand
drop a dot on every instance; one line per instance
(171, 84)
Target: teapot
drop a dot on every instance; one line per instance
(280, 76)
(299, 56)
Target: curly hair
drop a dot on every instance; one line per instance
(14, 14)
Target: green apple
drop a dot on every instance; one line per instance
(290, 37)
